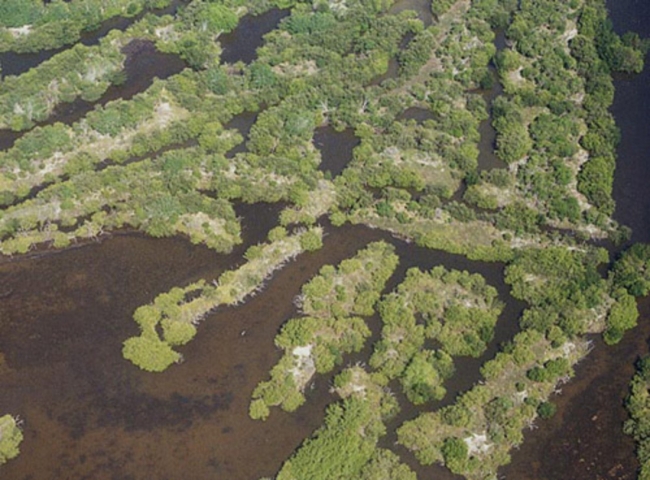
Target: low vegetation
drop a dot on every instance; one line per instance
(10, 438)
(346, 445)
(331, 304)
(178, 311)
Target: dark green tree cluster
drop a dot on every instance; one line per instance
(457, 309)
(345, 447)
(638, 407)
(561, 286)
(632, 270)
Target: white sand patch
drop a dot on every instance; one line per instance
(304, 367)
(568, 348)
(302, 352)
(477, 444)
(20, 31)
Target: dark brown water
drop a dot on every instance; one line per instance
(61, 333)
(418, 114)
(242, 123)
(241, 44)
(90, 414)
(335, 148)
(631, 109)
(16, 63)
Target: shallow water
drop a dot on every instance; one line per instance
(242, 43)
(335, 148)
(90, 414)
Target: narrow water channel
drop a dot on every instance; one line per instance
(143, 64)
(487, 158)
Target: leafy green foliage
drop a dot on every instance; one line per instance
(150, 354)
(58, 23)
(338, 450)
(458, 309)
(422, 378)
(454, 452)
(345, 446)
(10, 438)
(563, 284)
(317, 341)
(385, 465)
(622, 316)
(632, 270)
(311, 242)
(638, 407)
(546, 409)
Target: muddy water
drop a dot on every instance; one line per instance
(241, 44)
(335, 148)
(90, 414)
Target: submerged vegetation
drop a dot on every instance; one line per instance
(166, 162)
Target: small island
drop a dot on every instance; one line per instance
(10, 438)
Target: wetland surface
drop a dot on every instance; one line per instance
(90, 414)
